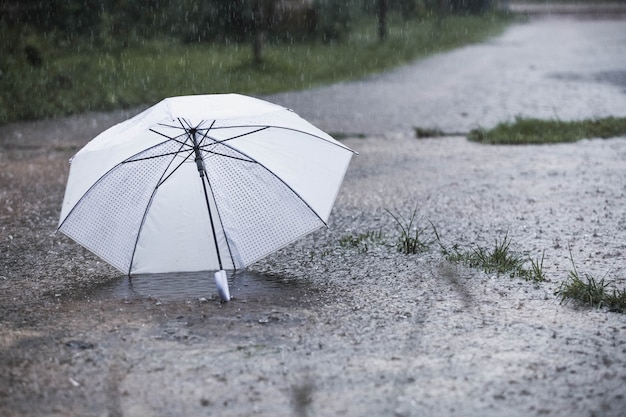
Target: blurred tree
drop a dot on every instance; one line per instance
(293, 21)
(442, 11)
(69, 18)
(381, 7)
(258, 29)
(210, 20)
(333, 18)
(116, 23)
(408, 8)
(22, 21)
(470, 6)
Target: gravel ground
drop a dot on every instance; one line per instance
(321, 329)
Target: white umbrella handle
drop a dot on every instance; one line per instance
(221, 281)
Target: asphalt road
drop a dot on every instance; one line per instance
(550, 67)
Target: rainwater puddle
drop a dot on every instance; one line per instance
(244, 285)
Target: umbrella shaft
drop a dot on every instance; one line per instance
(196, 150)
(201, 170)
(200, 164)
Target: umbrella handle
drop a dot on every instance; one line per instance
(221, 281)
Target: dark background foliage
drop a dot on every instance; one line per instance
(204, 20)
(60, 57)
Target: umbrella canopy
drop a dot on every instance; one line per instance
(201, 183)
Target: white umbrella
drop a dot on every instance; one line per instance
(201, 183)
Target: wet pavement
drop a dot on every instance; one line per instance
(550, 67)
(324, 329)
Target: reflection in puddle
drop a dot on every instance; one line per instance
(180, 286)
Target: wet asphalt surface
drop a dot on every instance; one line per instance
(557, 67)
(325, 329)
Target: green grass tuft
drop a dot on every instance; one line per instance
(535, 273)
(362, 241)
(587, 290)
(500, 259)
(424, 132)
(536, 131)
(411, 240)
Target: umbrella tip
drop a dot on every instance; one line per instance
(221, 281)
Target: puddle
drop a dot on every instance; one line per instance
(244, 285)
(617, 77)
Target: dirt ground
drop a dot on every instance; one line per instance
(333, 330)
(321, 329)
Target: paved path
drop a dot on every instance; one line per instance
(549, 67)
(562, 67)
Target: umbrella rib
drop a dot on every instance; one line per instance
(219, 218)
(260, 128)
(217, 209)
(226, 156)
(318, 137)
(197, 128)
(151, 157)
(181, 120)
(174, 170)
(238, 136)
(96, 183)
(175, 138)
(263, 127)
(145, 213)
(294, 192)
(191, 134)
(250, 159)
(170, 126)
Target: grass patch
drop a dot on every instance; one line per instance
(424, 132)
(587, 290)
(499, 259)
(79, 76)
(362, 241)
(535, 273)
(411, 240)
(345, 135)
(536, 131)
